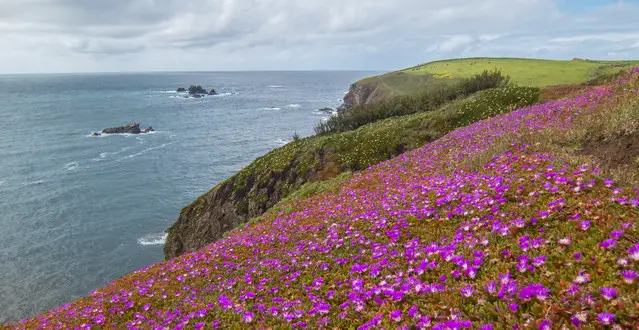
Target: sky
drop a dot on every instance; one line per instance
(50, 36)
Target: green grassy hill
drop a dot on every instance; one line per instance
(524, 72)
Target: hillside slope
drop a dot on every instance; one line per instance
(519, 221)
(525, 72)
(267, 180)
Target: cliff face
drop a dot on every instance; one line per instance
(359, 94)
(245, 195)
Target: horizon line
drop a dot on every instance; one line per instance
(188, 71)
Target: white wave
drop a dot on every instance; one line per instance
(222, 94)
(272, 109)
(281, 141)
(104, 155)
(72, 166)
(32, 183)
(294, 105)
(275, 86)
(146, 150)
(1, 182)
(153, 239)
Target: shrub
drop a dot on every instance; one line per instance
(432, 98)
(484, 80)
(496, 101)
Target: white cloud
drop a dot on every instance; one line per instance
(455, 43)
(121, 35)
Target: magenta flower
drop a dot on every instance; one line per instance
(396, 315)
(584, 225)
(467, 291)
(605, 318)
(616, 234)
(629, 276)
(579, 318)
(608, 293)
(608, 243)
(633, 251)
(248, 317)
(582, 278)
(545, 325)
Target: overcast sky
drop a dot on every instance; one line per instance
(206, 35)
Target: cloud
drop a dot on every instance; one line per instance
(122, 35)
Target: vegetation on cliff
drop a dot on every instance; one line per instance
(282, 171)
(517, 221)
(429, 99)
(523, 72)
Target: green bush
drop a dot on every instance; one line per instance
(483, 81)
(428, 100)
(493, 102)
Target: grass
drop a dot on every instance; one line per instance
(492, 226)
(524, 72)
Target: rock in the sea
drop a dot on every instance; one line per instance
(197, 89)
(212, 92)
(131, 128)
(327, 110)
(197, 96)
(181, 90)
(95, 134)
(148, 130)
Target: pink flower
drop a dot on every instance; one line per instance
(396, 315)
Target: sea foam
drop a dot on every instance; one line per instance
(153, 239)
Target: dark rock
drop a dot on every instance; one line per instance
(181, 90)
(327, 110)
(212, 92)
(197, 89)
(132, 128)
(95, 134)
(148, 130)
(197, 96)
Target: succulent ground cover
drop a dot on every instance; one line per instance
(502, 224)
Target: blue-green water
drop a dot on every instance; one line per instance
(77, 211)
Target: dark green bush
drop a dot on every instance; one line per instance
(483, 81)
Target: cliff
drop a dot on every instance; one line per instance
(270, 178)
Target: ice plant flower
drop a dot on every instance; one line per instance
(564, 241)
(605, 318)
(633, 251)
(629, 276)
(467, 291)
(579, 319)
(584, 225)
(396, 315)
(608, 293)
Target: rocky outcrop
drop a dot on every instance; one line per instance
(197, 89)
(212, 92)
(131, 128)
(326, 110)
(245, 195)
(359, 94)
(181, 90)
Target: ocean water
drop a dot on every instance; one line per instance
(78, 211)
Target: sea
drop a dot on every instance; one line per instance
(78, 211)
